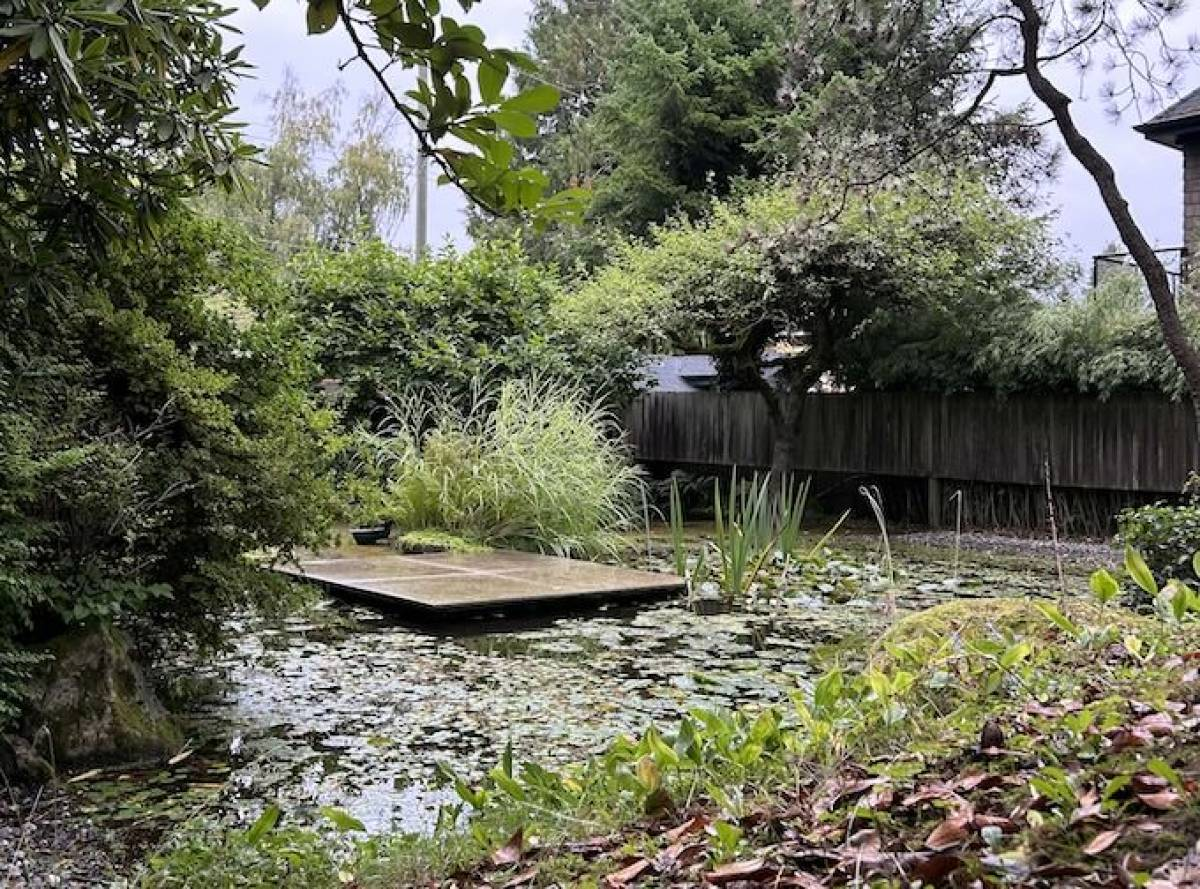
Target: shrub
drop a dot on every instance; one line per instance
(1167, 536)
(379, 321)
(532, 465)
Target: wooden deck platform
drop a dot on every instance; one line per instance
(453, 582)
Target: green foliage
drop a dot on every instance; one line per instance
(532, 465)
(744, 536)
(156, 430)
(902, 287)
(1167, 538)
(105, 115)
(664, 105)
(1105, 342)
(687, 97)
(380, 322)
(263, 856)
(290, 198)
(462, 118)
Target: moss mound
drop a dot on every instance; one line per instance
(977, 618)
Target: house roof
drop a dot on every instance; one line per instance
(1176, 123)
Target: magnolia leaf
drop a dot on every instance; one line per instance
(491, 80)
(322, 15)
(536, 100)
(515, 122)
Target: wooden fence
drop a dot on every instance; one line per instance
(1129, 443)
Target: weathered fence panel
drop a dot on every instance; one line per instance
(1129, 443)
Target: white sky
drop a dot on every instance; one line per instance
(275, 39)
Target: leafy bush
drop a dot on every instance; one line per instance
(1167, 536)
(1108, 341)
(263, 856)
(154, 428)
(530, 465)
(380, 322)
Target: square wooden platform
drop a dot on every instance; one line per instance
(443, 582)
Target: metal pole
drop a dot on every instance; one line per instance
(422, 197)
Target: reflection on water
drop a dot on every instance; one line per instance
(351, 707)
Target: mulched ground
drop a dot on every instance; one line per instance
(44, 842)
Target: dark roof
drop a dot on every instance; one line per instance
(1181, 120)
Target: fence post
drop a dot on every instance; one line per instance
(934, 493)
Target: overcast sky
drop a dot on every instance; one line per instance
(275, 39)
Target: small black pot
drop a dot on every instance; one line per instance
(372, 535)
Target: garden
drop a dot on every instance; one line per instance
(217, 364)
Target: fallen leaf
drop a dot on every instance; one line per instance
(1089, 807)
(84, 776)
(881, 797)
(801, 881)
(695, 824)
(1163, 800)
(866, 840)
(1157, 724)
(929, 793)
(1123, 739)
(754, 869)
(1005, 824)
(523, 879)
(933, 869)
(510, 852)
(180, 756)
(627, 875)
(1101, 841)
(949, 834)
(1148, 783)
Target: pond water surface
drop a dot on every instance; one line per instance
(352, 707)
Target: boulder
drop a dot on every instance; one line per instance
(95, 704)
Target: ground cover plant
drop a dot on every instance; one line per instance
(527, 464)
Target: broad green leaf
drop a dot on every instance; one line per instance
(1140, 571)
(1104, 586)
(265, 824)
(1196, 564)
(1056, 617)
(514, 122)
(342, 819)
(491, 80)
(322, 15)
(536, 100)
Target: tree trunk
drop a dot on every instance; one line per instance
(785, 423)
(1059, 103)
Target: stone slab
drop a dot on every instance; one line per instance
(444, 582)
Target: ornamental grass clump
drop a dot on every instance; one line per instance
(529, 464)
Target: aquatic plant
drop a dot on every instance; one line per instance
(742, 535)
(531, 464)
(787, 512)
(875, 500)
(678, 547)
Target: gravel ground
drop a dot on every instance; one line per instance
(45, 843)
(1090, 552)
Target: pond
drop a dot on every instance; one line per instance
(349, 706)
